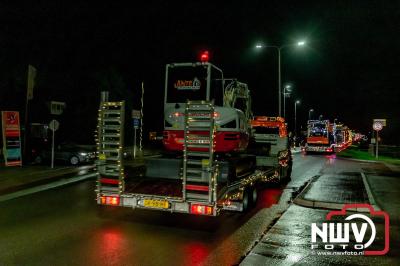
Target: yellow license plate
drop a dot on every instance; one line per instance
(159, 204)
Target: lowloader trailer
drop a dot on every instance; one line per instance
(208, 165)
(197, 182)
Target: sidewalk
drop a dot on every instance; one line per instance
(332, 191)
(288, 242)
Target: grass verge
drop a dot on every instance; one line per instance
(355, 153)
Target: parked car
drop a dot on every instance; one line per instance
(68, 153)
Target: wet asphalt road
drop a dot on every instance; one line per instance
(64, 226)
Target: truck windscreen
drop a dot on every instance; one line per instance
(318, 130)
(267, 130)
(186, 83)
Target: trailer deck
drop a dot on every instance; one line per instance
(154, 186)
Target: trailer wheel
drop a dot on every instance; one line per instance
(245, 201)
(288, 176)
(254, 196)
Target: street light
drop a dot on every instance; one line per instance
(279, 48)
(295, 116)
(309, 113)
(286, 90)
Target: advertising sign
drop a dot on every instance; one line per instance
(11, 138)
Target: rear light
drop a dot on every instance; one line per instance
(201, 209)
(178, 114)
(329, 149)
(109, 200)
(197, 187)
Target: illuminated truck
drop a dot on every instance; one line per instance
(320, 136)
(342, 137)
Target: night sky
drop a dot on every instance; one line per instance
(349, 69)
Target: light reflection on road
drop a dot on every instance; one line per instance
(195, 253)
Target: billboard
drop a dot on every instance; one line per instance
(11, 138)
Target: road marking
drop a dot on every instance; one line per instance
(369, 192)
(40, 188)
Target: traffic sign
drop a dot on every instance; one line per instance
(136, 122)
(136, 114)
(377, 126)
(54, 125)
(57, 108)
(382, 121)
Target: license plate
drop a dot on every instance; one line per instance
(159, 204)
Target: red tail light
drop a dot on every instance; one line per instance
(201, 209)
(109, 200)
(329, 149)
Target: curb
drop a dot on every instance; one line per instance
(278, 210)
(371, 198)
(301, 201)
(357, 160)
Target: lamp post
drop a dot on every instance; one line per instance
(309, 113)
(286, 90)
(279, 48)
(295, 116)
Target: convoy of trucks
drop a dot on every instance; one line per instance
(215, 152)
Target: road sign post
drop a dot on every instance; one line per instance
(54, 125)
(136, 116)
(377, 126)
(377, 143)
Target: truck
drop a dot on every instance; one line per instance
(271, 145)
(342, 137)
(320, 137)
(214, 155)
